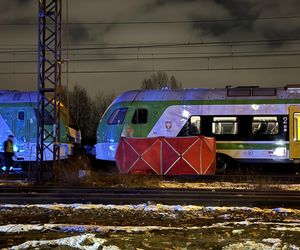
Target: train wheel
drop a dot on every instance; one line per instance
(223, 163)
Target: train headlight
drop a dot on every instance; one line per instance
(279, 151)
(15, 148)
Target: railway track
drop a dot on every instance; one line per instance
(69, 195)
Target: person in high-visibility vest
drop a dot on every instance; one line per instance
(9, 152)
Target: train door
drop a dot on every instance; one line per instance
(294, 131)
(139, 121)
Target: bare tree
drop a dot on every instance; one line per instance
(160, 80)
(99, 105)
(80, 107)
(102, 101)
(85, 110)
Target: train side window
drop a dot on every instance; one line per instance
(265, 125)
(225, 126)
(117, 117)
(195, 125)
(21, 115)
(140, 116)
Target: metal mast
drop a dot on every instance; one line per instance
(49, 81)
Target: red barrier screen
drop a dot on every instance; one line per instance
(194, 155)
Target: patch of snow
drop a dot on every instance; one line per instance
(88, 241)
(283, 210)
(85, 242)
(238, 231)
(292, 229)
(266, 244)
(219, 225)
(249, 245)
(16, 228)
(294, 247)
(272, 240)
(225, 216)
(153, 207)
(243, 223)
(227, 185)
(73, 228)
(279, 226)
(165, 210)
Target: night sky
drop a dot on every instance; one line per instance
(114, 44)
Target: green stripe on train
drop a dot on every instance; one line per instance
(258, 146)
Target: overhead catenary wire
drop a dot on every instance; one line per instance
(182, 53)
(170, 45)
(72, 51)
(147, 22)
(153, 57)
(163, 69)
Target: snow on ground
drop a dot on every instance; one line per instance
(153, 207)
(230, 185)
(87, 239)
(21, 228)
(85, 242)
(91, 242)
(267, 244)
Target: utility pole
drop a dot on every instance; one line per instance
(49, 83)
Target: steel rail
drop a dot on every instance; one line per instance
(201, 197)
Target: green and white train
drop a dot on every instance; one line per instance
(250, 124)
(18, 116)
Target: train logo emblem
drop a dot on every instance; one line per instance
(168, 124)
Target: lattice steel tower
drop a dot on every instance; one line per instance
(49, 80)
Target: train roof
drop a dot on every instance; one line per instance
(252, 92)
(11, 96)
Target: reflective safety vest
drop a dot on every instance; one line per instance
(9, 146)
